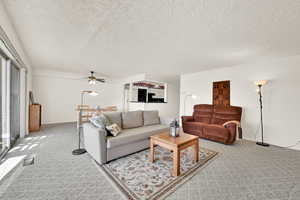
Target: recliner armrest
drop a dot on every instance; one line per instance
(232, 122)
(234, 128)
(187, 118)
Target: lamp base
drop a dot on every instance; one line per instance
(262, 144)
(78, 151)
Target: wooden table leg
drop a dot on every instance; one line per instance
(176, 162)
(151, 156)
(197, 150)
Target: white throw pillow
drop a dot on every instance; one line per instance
(114, 129)
(99, 121)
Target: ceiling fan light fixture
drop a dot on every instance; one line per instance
(92, 82)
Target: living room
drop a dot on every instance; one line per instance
(149, 100)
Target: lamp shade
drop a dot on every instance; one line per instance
(90, 92)
(93, 93)
(261, 82)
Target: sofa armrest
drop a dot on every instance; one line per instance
(95, 142)
(187, 118)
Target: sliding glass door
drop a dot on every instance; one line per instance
(13, 95)
(14, 104)
(9, 104)
(4, 140)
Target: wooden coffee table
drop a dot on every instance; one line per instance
(175, 144)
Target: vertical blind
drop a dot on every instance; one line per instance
(1, 135)
(14, 103)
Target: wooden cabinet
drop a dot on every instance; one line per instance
(35, 117)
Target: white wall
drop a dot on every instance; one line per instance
(9, 29)
(59, 93)
(59, 96)
(281, 96)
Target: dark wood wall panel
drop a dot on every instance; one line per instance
(221, 93)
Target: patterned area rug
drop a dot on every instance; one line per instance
(139, 179)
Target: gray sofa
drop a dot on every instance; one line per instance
(137, 127)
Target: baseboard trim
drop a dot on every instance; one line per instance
(56, 124)
(295, 147)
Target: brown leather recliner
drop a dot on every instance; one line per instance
(215, 123)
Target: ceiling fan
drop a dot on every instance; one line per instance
(93, 80)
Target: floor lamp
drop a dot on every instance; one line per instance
(80, 150)
(259, 85)
(185, 98)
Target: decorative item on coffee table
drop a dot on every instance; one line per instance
(174, 128)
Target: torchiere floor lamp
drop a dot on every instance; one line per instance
(80, 150)
(260, 84)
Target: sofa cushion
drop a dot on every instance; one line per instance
(135, 134)
(225, 114)
(151, 117)
(114, 117)
(132, 119)
(203, 113)
(193, 127)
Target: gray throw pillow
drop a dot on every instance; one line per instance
(132, 119)
(99, 121)
(114, 117)
(151, 117)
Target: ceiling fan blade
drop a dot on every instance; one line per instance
(80, 78)
(100, 80)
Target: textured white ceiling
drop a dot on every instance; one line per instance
(161, 37)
